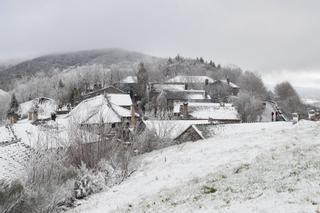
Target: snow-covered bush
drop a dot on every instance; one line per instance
(46, 187)
(88, 182)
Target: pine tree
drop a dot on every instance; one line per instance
(143, 78)
(61, 84)
(14, 106)
(211, 63)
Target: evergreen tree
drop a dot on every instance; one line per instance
(14, 105)
(178, 58)
(211, 63)
(143, 78)
(61, 84)
(201, 60)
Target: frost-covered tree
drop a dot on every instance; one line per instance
(249, 107)
(252, 84)
(4, 106)
(288, 99)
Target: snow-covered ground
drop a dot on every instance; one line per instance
(17, 141)
(265, 167)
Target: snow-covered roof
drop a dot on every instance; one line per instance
(186, 95)
(171, 129)
(233, 85)
(129, 79)
(97, 109)
(190, 79)
(214, 111)
(120, 99)
(46, 106)
(168, 86)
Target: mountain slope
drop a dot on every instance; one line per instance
(48, 63)
(258, 167)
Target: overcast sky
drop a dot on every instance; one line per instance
(278, 38)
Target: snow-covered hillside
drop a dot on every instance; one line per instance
(3, 93)
(264, 167)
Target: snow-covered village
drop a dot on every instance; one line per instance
(93, 129)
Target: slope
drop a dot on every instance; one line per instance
(265, 167)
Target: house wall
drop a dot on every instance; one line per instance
(189, 135)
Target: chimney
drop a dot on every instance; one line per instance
(186, 86)
(228, 80)
(133, 117)
(206, 83)
(185, 110)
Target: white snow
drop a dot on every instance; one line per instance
(207, 111)
(123, 100)
(218, 113)
(17, 141)
(160, 87)
(190, 79)
(129, 80)
(96, 110)
(12, 161)
(265, 167)
(230, 83)
(46, 107)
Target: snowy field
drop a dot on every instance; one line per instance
(265, 167)
(17, 142)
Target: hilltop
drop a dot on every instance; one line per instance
(59, 62)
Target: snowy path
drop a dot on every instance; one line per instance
(172, 180)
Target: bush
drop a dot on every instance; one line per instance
(147, 141)
(88, 182)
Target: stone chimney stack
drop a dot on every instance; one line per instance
(228, 80)
(186, 86)
(206, 84)
(133, 117)
(185, 110)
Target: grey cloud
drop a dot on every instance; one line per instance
(256, 35)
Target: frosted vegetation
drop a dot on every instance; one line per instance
(110, 66)
(53, 179)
